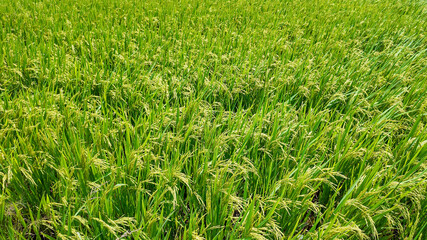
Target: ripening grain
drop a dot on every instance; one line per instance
(188, 119)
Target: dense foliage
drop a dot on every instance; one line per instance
(247, 119)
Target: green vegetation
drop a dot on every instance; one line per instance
(194, 119)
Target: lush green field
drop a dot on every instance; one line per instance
(191, 119)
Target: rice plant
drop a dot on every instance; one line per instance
(246, 119)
